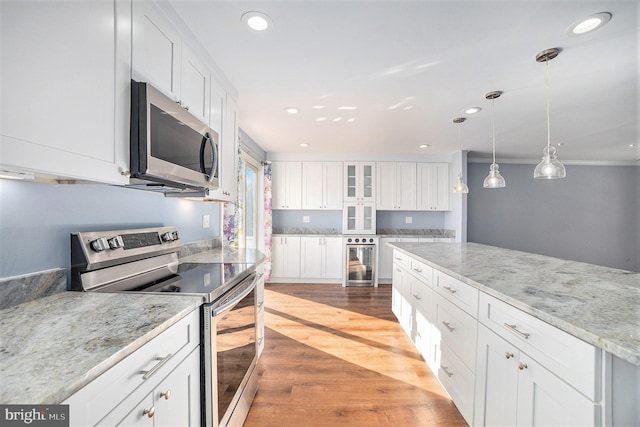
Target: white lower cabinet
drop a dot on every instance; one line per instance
(514, 389)
(321, 258)
(157, 385)
(285, 257)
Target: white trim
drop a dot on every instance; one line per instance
(566, 162)
(318, 157)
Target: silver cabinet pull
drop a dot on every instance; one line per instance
(418, 297)
(448, 325)
(450, 289)
(149, 412)
(515, 330)
(166, 394)
(162, 360)
(417, 270)
(522, 366)
(508, 355)
(446, 371)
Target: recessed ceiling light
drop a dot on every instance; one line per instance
(292, 110)
(632, 145)
(347, 108)
(304, 144)
(318, 107)
(472, 110)
(337, 119)
(588, 24)
(257, 21)
(351, 120)
(321, 119)
(424, 146)
(407, 108)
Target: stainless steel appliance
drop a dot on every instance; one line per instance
(361, 258)
(146, 260)
(171, 150)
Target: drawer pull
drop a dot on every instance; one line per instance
(149, 412)
(418, 297)
(448, 325)
(417, 270)
(260, 305)
(522, 366)
(162, 360)
(508, 355)
(446, 371)
(166, 394)
(515, 330)
(450, 289)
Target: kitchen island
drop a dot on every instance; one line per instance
(499, 327)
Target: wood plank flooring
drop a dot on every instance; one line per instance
(337, 356)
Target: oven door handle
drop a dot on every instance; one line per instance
(249, 284)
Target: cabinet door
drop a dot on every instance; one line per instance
(286, 257)
(65, 88)
(287, 185)
(333, 256)
(311, 257)
(332, 179)
(406, 186)
(544, 399)
(385, 259)
(312, 185)
(195, 86)
(229, 152)
(367, 181)
(433, 186)
(368, 218)
(177, 397)
(386, 189)
(157, 50)
(496, 381)
(396, 291)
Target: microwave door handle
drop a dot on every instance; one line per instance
(214, 156)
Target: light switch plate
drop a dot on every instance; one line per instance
(408, 219)
(205, 221)
(305, 218)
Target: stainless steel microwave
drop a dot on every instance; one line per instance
(171, 150)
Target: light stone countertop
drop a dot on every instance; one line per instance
(53, 346)
(599, 305)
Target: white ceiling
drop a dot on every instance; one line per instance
(410, 67)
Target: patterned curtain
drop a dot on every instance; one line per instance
(233, 213)
(268, 215)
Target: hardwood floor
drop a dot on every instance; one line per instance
(337, 356)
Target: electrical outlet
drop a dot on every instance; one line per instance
(305, 218)
(206, 280)
(408, 219)
(205, 221)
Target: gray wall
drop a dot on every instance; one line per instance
(37, 219)
(591, 216)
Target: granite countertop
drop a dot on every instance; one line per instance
(599, 305)
(226, 255)
(381, 232)
(51, 347)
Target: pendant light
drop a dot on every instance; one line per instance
(494, 179)
(549, 167)
(460, 186)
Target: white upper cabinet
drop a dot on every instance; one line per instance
(227, 128)
(359, 181)
(65, 89)
(433, 187)
(396, 186)
(160, 58)
(322, 185)
(287, 185)
(359, 218)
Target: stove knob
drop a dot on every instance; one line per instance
(357, 240)
(167, 237)
(349, 240)
(116, 242)
(176, 235)
(370, 240)
(100, 244)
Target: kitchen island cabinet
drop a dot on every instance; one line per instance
(555, 343)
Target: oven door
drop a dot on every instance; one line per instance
(360, 264)
(230, 355)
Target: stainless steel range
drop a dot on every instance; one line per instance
(361, 259)
(146, 260)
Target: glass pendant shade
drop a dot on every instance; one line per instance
(460, 186)
(549, 167)
(494, 179)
